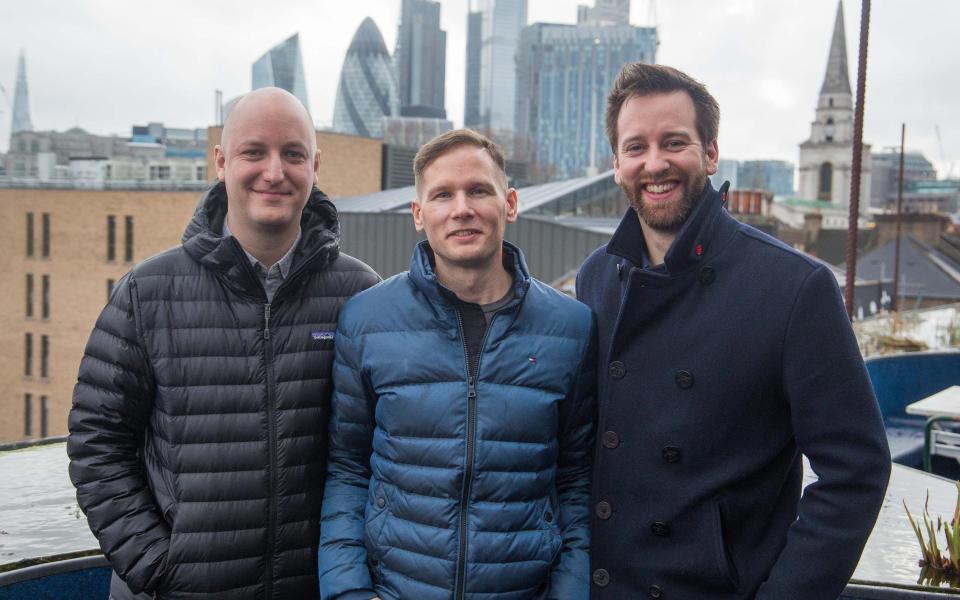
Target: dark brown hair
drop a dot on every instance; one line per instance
(450, 140)
(641, 79)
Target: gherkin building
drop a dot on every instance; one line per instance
(367, 91)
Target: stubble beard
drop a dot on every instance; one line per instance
(666, 216)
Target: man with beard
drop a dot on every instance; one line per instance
(724, 354)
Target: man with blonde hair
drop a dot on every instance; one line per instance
(462, 420)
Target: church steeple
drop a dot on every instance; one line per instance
(837, 79)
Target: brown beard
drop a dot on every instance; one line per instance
(668, 217)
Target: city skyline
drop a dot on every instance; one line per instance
(765, 67)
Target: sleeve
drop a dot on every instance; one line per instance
(570, 578)
(342, 558)
(112, 402)
(839, 428)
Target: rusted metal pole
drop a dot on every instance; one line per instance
(854, 214)
(894, 303)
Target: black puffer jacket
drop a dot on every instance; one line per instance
(198, 428)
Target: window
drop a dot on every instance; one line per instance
(128, 245)
(110, 283)
(111, 238)
(201, 173)
(43, 417)
(45, 287)
(826, 182)
(29, 295)
(28, 354)
(44, 356)
(29, 235)
(27, 415)
(45, 239)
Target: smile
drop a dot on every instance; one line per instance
(661, 188)
(463, 233)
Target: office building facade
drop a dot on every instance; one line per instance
(493, 36)
(421, 59)
(564, 73)
(282, 67)
(367, 91)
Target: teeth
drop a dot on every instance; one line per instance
(659, 188)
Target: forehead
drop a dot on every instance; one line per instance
(463, 163)
(657, 113)
(269, 120)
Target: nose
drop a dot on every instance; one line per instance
(273, 169)
(656, 162)
(461, 206)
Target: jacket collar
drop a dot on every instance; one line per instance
(424, 276)
(203, 239)
(694, 241)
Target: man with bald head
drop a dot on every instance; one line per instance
(198, 429)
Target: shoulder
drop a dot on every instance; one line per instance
(373, 305)
(167, 262)
(547, 303)
(764, 246)
(353, 274)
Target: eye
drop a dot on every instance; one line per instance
(251, 152)
(441, 195)
(479, 191)
(296, 155)
(633, 148)
(675, 144)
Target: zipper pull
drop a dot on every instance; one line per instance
(471, 389)
(266, 321)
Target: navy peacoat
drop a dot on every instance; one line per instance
(716, 372)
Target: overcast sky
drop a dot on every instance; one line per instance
(105, 65)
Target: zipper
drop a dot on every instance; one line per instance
(461, 582)
(272, 447)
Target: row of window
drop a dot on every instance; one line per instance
(112, 238)
(28, 430)
(44, 236)
(44, 355)
(44, 296)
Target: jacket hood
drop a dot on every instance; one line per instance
(692, 242)
(203, 238)
(424, 276)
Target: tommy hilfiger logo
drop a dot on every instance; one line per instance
(322, 335)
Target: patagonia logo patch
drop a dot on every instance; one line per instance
(322, 335)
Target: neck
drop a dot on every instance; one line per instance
(479, 286)
(657, 241)
(268, 247)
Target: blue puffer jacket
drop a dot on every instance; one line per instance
(437, 489)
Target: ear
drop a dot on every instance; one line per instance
(712, 152)
(219, 161)
(417, 215)
(512, 205)
(316, 168)
(616, 168)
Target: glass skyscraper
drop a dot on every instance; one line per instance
(421, 56)
(493, 33)
(21, 100)
(367, 91)
(564, 73)
(282, 67)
